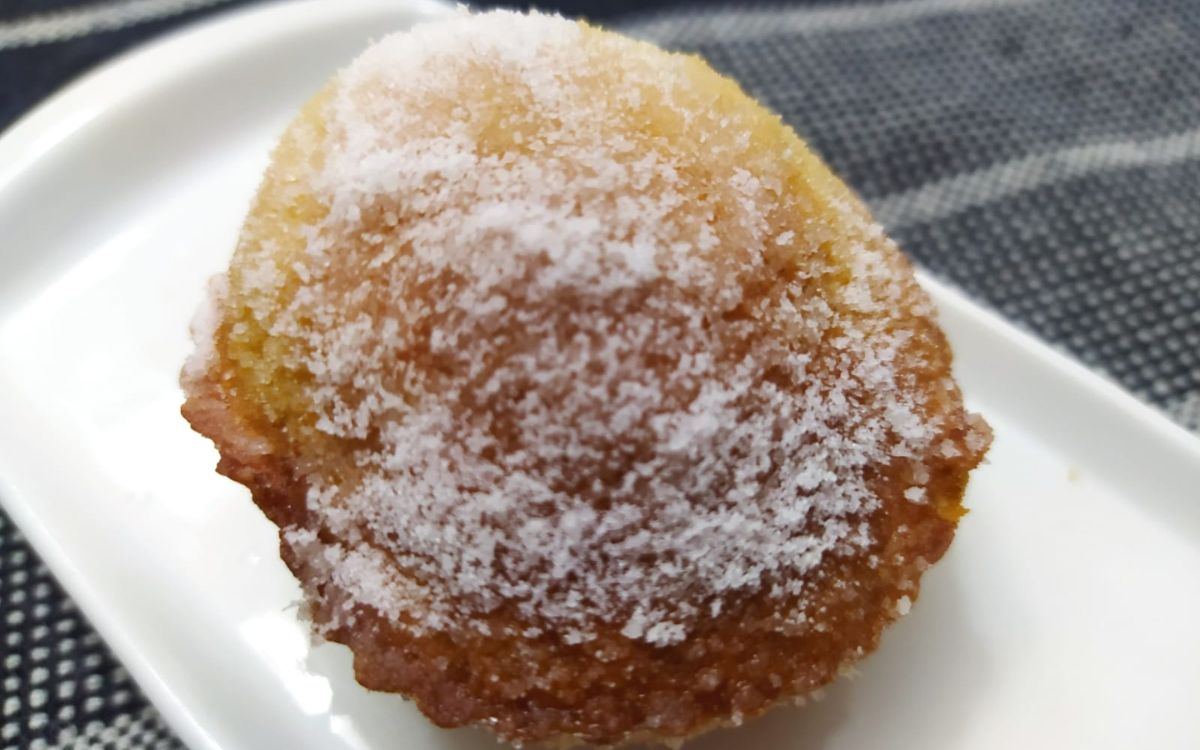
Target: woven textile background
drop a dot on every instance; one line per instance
(1043, 155)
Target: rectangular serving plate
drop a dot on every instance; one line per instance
(1064, 616)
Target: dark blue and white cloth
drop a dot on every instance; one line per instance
(1042, 155)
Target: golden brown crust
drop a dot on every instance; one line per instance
(535, 687)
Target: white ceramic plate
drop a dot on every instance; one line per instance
(1065, 616)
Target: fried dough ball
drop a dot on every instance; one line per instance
(591, 407)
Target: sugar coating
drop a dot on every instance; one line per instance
(204, 326)
(577, 369)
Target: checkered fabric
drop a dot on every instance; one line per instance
(1042, 155)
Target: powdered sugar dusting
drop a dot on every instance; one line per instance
(573, 382)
